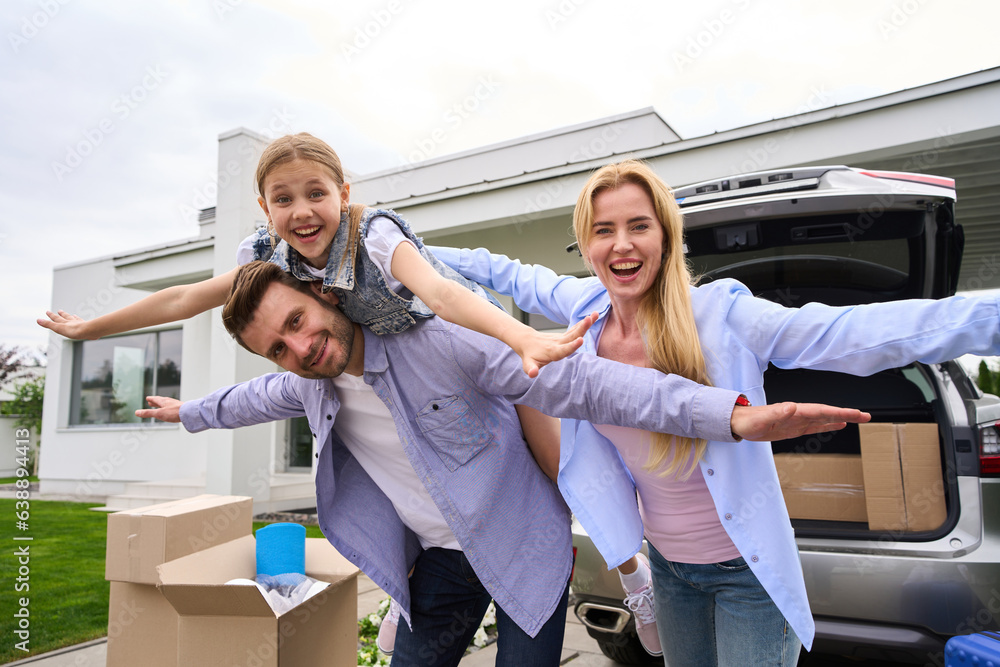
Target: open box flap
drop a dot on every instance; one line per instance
(236, 559)
(194, 584)
(217, 600)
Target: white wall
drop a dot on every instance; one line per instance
(238, 461)
(10, 437)
(99, 460)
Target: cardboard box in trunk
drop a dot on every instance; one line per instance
(234, 625)
(895, 484)
(140, 539)
(827, 487)
(904, 487)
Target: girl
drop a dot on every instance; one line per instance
(304, 196)
(728, 583)
(370, 262)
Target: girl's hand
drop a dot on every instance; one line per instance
(537, 349)
(64, 324)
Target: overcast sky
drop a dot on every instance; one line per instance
(111, 110)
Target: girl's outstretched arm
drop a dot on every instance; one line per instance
(167, 305)
(453, 302)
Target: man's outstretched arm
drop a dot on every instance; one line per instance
(587, 387)
(267, 398)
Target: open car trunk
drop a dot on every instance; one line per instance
(868, 479)
(843, 236)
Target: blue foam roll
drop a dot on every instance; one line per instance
(281, 549)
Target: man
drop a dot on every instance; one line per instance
(430, 471)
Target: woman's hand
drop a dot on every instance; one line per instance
(790, 420)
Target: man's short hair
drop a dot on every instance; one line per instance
(251, 282)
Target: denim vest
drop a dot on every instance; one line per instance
(364, 296)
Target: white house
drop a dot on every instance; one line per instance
(515, 197)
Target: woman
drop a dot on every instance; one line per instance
(727, 581)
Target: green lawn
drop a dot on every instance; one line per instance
(311, 531)
(67, 595)
(11, 480)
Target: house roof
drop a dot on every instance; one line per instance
(534, 154)
(949, 128)
(643, 134)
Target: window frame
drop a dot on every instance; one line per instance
(73, 419)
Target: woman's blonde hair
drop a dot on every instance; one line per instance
(304, 146)
(665, 317)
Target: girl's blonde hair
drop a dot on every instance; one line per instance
(665, 316)
(304, 146)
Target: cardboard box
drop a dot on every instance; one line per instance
(895, 484)
(826, 487)
(142, 627)
(140, 539)
(904, 486)
(234, 625)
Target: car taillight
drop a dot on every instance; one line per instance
(916, 178)
(572, 568)
(989, 451)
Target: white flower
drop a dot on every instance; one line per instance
(490, 618)
(375, 618)
(480, 638)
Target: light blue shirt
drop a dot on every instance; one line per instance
(450, 391)
(739, 335)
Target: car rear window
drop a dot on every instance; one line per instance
(831, 259)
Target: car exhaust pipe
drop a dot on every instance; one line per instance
(602, 617)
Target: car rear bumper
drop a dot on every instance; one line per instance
(872, 641)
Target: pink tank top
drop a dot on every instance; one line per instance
(679, 518)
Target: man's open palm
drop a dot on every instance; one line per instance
(164, 409)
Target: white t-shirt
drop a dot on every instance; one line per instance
(365, 425)
(382, 240)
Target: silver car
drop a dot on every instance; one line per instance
(843, 236)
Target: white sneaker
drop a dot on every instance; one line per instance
(640, 602)
(386, 640)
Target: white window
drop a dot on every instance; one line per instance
(113, 376)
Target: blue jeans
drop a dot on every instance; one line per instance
(718, 614)
(447, 604)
